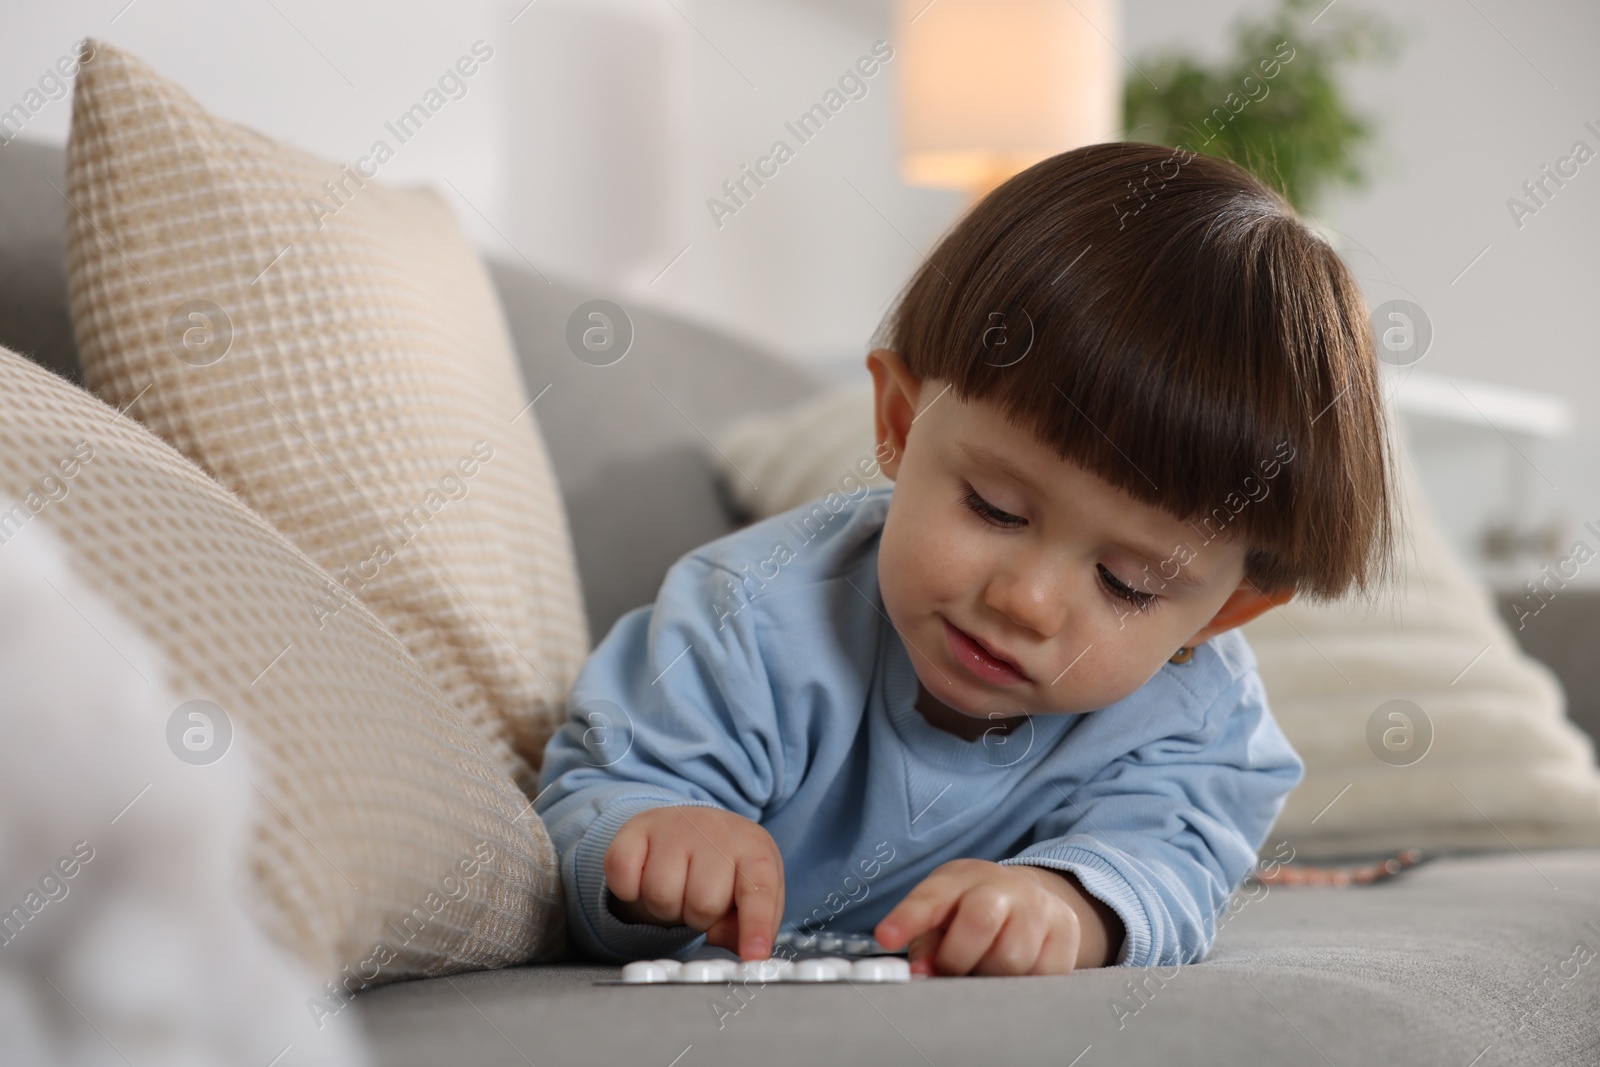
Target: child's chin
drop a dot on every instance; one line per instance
(999, 708)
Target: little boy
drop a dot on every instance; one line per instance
(999, 712)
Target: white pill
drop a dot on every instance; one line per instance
(829, 943)
(672, 967)
(839, 964)
(644, 971)
(778, 968)
(881, 969)
(804, 942)
(760, 971)
(701, 971)
(815, 971)
(858, 946)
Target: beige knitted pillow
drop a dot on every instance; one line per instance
(382, 820)
(346, 369)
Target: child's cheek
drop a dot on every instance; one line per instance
(897, 565)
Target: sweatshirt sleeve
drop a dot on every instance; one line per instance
(673, 707)
(1166, 833)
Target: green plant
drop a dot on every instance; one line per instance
(1293, 127)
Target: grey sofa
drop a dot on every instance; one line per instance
(1449, 964)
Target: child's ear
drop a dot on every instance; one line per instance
(1245, 603)
(894, 406)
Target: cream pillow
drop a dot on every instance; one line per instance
(1447, 735)
(382, 820)
(345, 369)
(798, 454)
(1500, 765)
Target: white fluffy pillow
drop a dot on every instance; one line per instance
(125, 880)
(1500, 765)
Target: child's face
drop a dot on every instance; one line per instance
(1037, 585)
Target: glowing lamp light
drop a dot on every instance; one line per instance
(990, 87)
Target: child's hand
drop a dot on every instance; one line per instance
(714, 870)
(977, 917)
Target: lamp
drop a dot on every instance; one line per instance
(990, 87)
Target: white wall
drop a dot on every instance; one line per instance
(1465, 116)
(629, 116)
(590, 143)
(588, 146)
(323, 76)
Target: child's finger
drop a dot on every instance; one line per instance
(922, 950)
(708, 889)
(1015, 948)
(624, 863)
(758, 888)
(661, 886)
(980, 917)
(926, 906)
(1058, 955)
(724, 933)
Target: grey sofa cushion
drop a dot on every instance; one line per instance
(33, 256)
(1431, 968)
(1564, 635)
(626, 440)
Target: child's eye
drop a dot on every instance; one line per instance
(1114, 585)
(1123, 591)
(970, 497)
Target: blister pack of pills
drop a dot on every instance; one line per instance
(796, 958)
(798, 946)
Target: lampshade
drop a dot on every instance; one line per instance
(990, 87)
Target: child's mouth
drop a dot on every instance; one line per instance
(978, 660)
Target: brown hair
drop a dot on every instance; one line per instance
(1184, 332)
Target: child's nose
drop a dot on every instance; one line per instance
(1030, 597)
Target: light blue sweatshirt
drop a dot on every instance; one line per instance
(767, 680)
